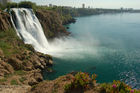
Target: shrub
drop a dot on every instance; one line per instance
(20, 72)
(14, 82)
(2, 7)
(81, 81)
(22, 79)
(118, 87)
(11, 5)
(23, 4)
(27, 4)
(3, 80)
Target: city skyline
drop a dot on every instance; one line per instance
(92, 3)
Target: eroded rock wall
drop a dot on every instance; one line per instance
(51, 23)
(5, 22)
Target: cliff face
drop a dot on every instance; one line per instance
(51, 23)
(5, 22)
(19, 62)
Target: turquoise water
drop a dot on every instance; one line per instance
(108, 45)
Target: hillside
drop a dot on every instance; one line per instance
(21, 65)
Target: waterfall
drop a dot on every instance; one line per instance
(29, 29)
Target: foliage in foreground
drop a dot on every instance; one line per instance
(117, 87)
(83, 81)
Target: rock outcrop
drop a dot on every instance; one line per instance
(28, 65)
(19, 62)
(58, 86)
(69, 21)
(51, 23)
(5, 22)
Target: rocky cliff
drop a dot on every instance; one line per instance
(5, 22)
(19, 62)
(51, 23)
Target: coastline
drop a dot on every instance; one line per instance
(26, 65)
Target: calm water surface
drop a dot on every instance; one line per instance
(108, 45)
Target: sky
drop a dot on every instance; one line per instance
(92, 3)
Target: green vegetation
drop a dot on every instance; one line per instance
(3, 80)
(117, 87)
(14, 82)
(81, 81)
(11, 5)
(22, 4)
(22, 79)
(20, 72)
(27, 4)
(8, 40)
(2, 7)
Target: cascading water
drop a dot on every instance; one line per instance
(29, 28)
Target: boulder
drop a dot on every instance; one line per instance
(16, 63)
(5, 69)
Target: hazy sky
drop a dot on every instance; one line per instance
(94, 3)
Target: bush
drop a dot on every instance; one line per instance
(11, 5)
(20, 72)
(81, 81)
(2, 7)
(23, 4)
(14, 82)
(3, 80)
(22, 79)
(27, 4)
(117, 87)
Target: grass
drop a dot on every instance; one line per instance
(14, 82)
(5, 47)
(20, 72)
(7, 39)
(11, 44)
(22, 79)
(3, 80)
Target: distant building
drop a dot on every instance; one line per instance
(121, 8)
(54, 5)
(50, 5)
(3, 2)
(83, 5)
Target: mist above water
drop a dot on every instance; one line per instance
(72, 48)
(103, 44)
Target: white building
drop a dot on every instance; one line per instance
(3, 2)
